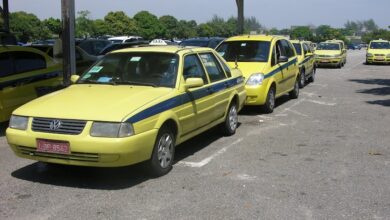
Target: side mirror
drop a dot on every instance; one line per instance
(282, 59)
(194, 82)
(74, 78)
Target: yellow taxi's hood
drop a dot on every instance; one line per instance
(248, 68)
(379, 51)
(93, 102)
(327, 52)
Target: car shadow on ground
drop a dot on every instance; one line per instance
(383, 90)
(3, 127)
(256, 110)
(107, 178)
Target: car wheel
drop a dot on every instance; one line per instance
(269, 105)
(295, 92)
(313, 76)
(231, 121)
(163, 153)
(302, 79)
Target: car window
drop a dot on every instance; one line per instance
(28, 61)
(287, 48)
(244, 51)
(298, 48)
(134, 68)
(273, 57)
(7, 65)
(193, 68)
(212, 66)
(306, 49)
(280, 50)
(225, 67)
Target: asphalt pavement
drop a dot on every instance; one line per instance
(325, 155)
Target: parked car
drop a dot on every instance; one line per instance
(83, 59)
(378, 52)
(113, 47)
(25, 74)
(306, 60)
(211, 42)
(330, 53)
(7, 38)
(269, 65)
(93, 46)
(354, 46)
(133, 105)
(124, 39)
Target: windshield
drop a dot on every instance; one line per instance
(245, 51)
(328, 46)
(380, 45)
(148, 69)
(298, 48)
(195, 43)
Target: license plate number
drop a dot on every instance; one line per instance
(56, 147)
(325, 61)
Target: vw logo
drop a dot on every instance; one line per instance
(55, 124)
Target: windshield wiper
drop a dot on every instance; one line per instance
(90, 81)
(135, 83)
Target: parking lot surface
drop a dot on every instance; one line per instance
(325, 155)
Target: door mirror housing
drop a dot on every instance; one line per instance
(282, 59)
(74, 78)
(194, 83)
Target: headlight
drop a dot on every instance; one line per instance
(336, 55)
(111, 130)
(370, 55)
(255, 79)
(18, 122)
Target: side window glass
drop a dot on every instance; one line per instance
(212, 66)
(7, 65)
(27, 61)
(306, 49)
(273, 57)
(280, 50)
(225, 67)
(193, 68)
(287, 48)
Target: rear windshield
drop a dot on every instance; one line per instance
(380, 45)
(328, 46)
(245, 51)
(298, 48)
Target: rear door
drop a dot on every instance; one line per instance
(290, 68)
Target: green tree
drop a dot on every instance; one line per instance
(378, 34)
(302, 32)
(370, 25)
(326, 32)
(27, 26)
(84, 25)
(148, 25)
(100, 27)
(205, 30)
(118, 23)
(187, 29)
(170, 26)
(53, 25)
(252, 24)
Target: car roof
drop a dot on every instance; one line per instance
(255, 38)
(21, 48)
(164, 49)
(380, 40)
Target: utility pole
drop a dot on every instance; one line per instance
(5, 13)
(240, 18)
(68, 40)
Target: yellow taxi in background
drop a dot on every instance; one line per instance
(378, 51)
(133, 105)
(269, 65)
(331, 53)
(25, 73)
(306, 61)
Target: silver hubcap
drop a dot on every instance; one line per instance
(233, 118)
(271, 99)
(165, 150)
(302, 78)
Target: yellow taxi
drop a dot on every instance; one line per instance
(25, 74)
(306, 61)
(378, 51)
(331, 53)
(269, 65)
(133, 105)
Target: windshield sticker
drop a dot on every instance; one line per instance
(221, 53)
(135, 59)
(86, 76)
(95, 69)
(104, 79)
(243, 44)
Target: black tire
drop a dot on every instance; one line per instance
(229, 126)
(162, 158)
(295, 92)
(302, 79)
(269, 105)
(313, 76)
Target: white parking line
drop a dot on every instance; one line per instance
(210, 158)
(322, 103)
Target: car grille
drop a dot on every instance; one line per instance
(380, 55)
(64, 126)
(76, 156)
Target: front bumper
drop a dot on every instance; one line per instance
(328, 61)
(256, 95)
(377, 59)
(85, 150)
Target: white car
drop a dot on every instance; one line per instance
(123, 39)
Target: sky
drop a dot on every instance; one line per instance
(270, 13)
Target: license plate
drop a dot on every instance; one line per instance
(325, 61)
(55, 147)
(380, 58)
